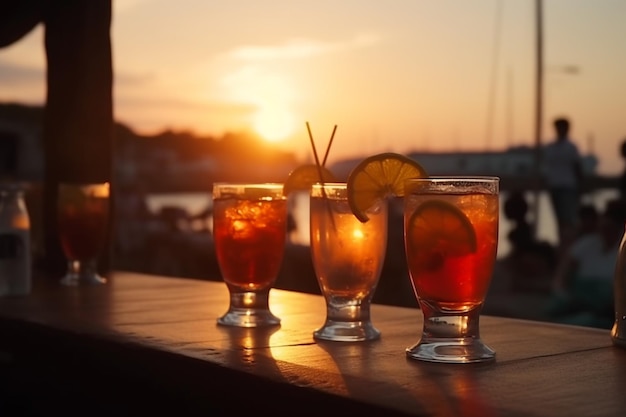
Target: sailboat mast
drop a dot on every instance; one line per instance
(538, 109)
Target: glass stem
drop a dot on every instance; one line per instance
(73, 266)
(450, 324)
(249, 300)
(347, 310)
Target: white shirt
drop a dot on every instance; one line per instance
(594, 262)
(559, 159)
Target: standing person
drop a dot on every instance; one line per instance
(563, 178)
(622, 178)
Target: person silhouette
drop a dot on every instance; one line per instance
(588, 219)
(563, 176)
(583, 281)
(530, 261)
(515, 210)
(622, 178)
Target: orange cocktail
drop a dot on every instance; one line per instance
(249, 231)
(451, 239)
(348, 257)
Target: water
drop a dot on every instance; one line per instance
(195, 203)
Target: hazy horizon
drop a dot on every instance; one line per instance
(394, 76)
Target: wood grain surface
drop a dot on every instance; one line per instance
(146, 345)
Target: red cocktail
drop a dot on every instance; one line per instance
(451, 239)
(249, 230)
(83, 213)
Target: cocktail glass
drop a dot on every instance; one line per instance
(348, 256)
(249, 231)
(83, 218)
(451, 240)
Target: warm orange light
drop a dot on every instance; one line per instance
(358, 234)
(274, 124)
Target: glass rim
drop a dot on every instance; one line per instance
(92, 190)
(248, 184)
(335, 190)
(83, 183)
(332, 184)
(248, 190)
(464, 178)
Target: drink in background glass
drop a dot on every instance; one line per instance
(83, 218)
(249, 231)
(348, 256)
(618, 331)
(451, 240)
(15, 248)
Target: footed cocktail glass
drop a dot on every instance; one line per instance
(83, 218)
(451, 240)
(249, 231)
(348, 256)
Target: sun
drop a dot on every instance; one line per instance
(274, 123)
(268, 94)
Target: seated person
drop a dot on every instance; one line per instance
(588, 218)
(530, 263)
(583, 283)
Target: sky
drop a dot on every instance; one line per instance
(394, 75)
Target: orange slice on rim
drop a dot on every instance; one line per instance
(377, 177)
(304, 176)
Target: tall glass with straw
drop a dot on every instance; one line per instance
(348, 256)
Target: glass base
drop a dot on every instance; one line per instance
(83, 272)
(450, 336)
(74, 280)
(249, 309)
(456, 350)
(244, 317)
(618, 331)
(342, 331)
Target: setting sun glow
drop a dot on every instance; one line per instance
(274, 124)
(420, 76)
